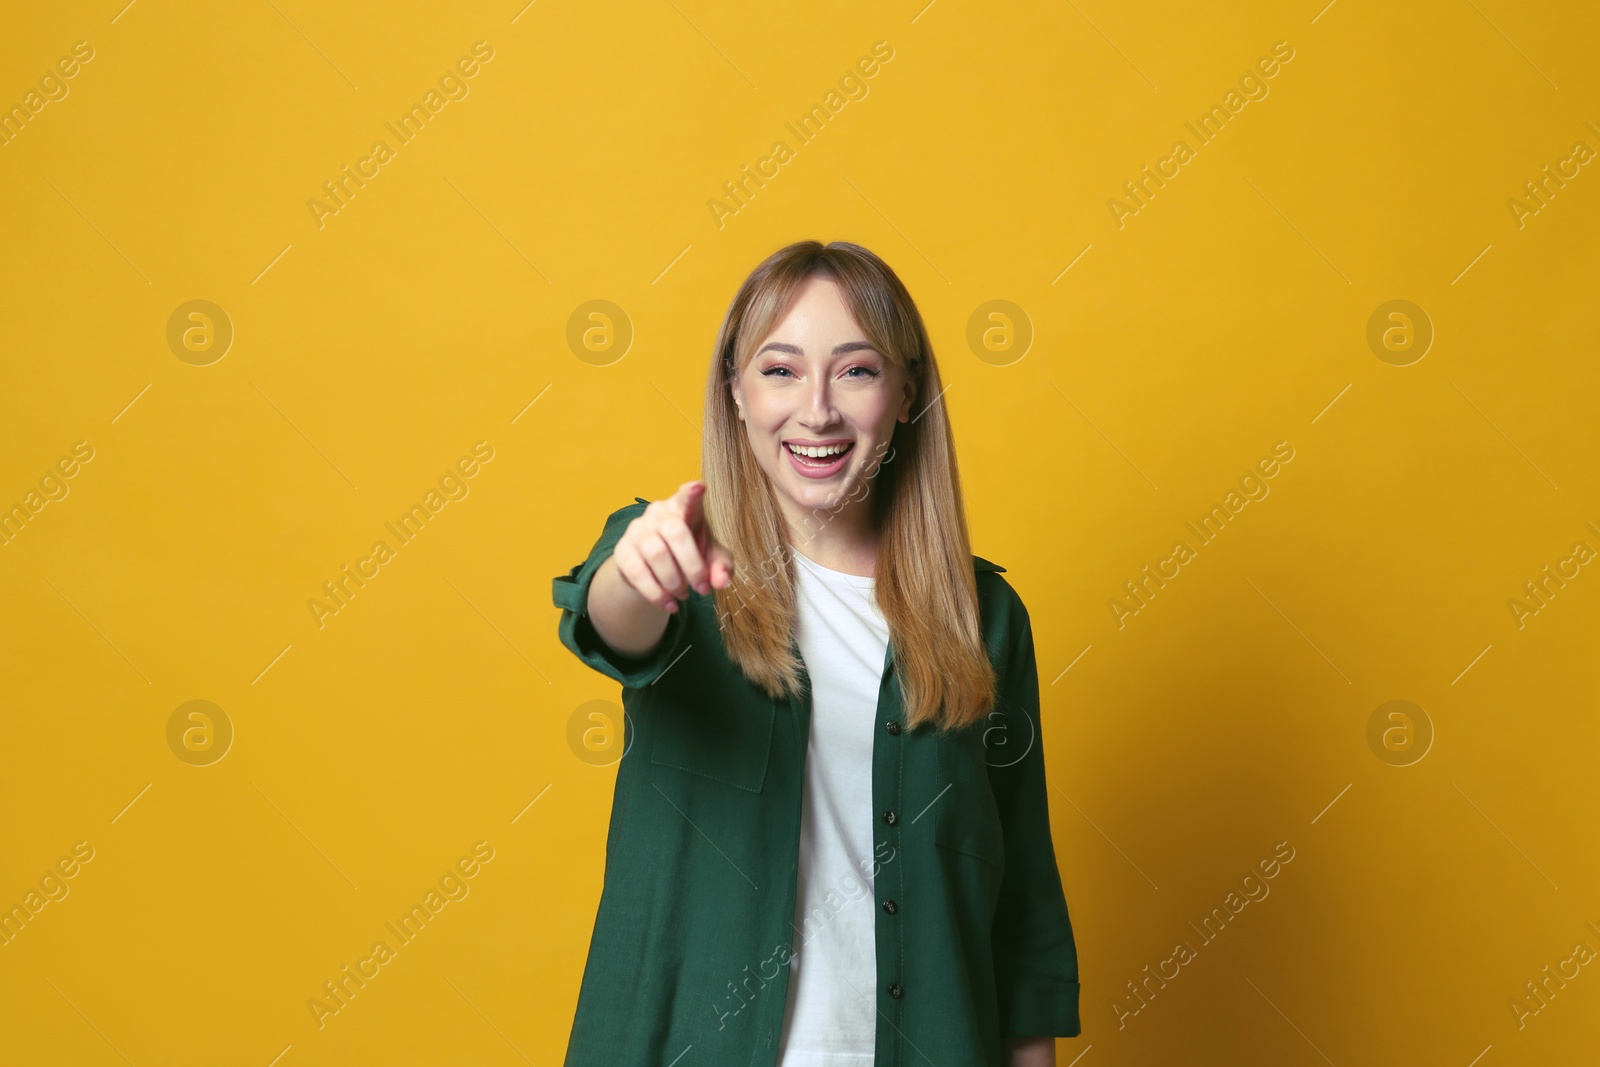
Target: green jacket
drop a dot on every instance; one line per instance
(688, 964)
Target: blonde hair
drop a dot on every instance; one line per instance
(924, 581)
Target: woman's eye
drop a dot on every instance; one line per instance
(867, 373)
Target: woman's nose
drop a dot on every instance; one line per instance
(821, 402)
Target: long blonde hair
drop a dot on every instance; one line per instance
(924, 582)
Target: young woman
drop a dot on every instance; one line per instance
(830, 840)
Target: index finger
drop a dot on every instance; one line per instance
(689, 497)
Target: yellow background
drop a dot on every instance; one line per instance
(433, 711)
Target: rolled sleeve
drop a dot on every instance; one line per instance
(576, 630)
(1035, 956)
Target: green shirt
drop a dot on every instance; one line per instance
(688, 964)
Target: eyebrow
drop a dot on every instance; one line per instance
(796, 350)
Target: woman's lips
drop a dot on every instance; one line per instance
(819, 469)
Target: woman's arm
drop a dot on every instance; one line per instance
(625, 620)
(1033, 1052)
(1035, 955)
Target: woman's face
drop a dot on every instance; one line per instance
(816, 381)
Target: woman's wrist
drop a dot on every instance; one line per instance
(1032, 1052)
(630, 624)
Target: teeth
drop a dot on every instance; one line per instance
(818, 453)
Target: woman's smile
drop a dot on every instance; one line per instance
(818, 460)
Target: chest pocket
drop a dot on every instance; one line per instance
(709, 724)
(966, 817)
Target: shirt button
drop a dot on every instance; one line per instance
(893, 726)
(890, 817)
(895, 991)
(890, 906)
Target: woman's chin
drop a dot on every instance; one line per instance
(817, 496)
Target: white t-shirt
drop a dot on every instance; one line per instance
(831, 1018)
